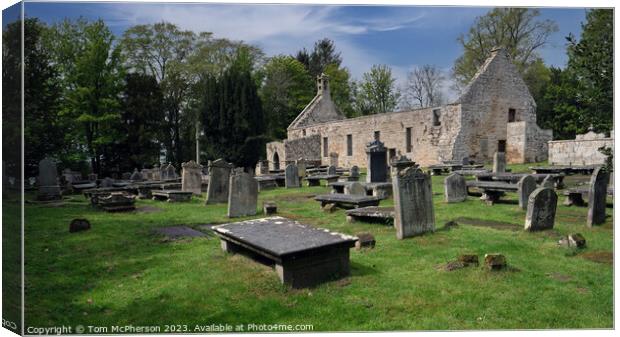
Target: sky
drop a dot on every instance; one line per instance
(402, 37)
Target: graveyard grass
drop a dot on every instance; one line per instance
(120, 273)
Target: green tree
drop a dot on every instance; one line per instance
(518, 30)
(340, 88)
(286, 90)
(377, 93)
(232, 115)
(323, 55)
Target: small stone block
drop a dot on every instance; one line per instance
(270, 208)
(577, 240)
(469, 259)
(329, 208)
(365, 240)
(77, 225)
(495, 261)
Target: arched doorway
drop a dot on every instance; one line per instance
(276, 161)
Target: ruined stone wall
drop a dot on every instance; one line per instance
(581, 151)
(526, 143)
(276, 150)
(430, 144)
(308, 148)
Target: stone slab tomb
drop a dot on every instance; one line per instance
(48, 181)
(303, 256)
(291, 176)
(117, 202)
(355, 188)
(176, 232)
(191, 177)
(242, 195)
(371, 214)
(541, 207)
(455, 188)
(347, 200)
(219, 175)
(171, 195)
(597, 197)
(413, 203)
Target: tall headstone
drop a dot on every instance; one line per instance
(597, 198)
(242, 195)
(331, 170)
(354, 188)
(171, 172)
(499, 162)
(413, 203)
(219, 173)
(48, 180)
(541, 206)
(376, 154)
(455, 188)
(526, 186)
(191, 177)
(301, 167)
(136, 175)
(291, 176)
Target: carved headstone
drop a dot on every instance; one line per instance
(376, 154)
(48, 180)
(526, 186)
(242, 195)
(219, 173)
(499, 162)
(455, 188)
(301, 167)
(136, 176)
(541, 206)
(413, 203)
(331, 170)
(597, 197)
(191, 177)
(171, 172)
(291, 176)
(354, 188)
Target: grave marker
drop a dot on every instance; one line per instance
(526, 186)
(597, 197)
(413, 203)
(243, 195)
(219, 173)
(48, 180)
(499, 162)
(455, 188)
(291, 176)
(191, 177)
(541, 207)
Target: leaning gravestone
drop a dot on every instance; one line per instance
(376, 154)
(291, 176)
(242, 195)
(136, 176)
(413, 203)
(499, 162)
(597, 197)
(48, 180)
(191, 177)
(541, 206)
(219, 173)
(455, 188)
(354, 188)
(526, 186)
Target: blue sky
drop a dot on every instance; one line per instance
(400, 36)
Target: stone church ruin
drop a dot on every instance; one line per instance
(495, 113)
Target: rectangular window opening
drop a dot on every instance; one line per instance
(408, 140)
(349, 145)
(436, 116)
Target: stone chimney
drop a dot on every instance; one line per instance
(322, 85)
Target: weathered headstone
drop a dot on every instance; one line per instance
(191, 177)
(333, 159)
(171, 172)
(355, 172)
(548, 182)
(331, 170)
(156, 173)
(48, 180)
(526, 186)
(499, 162)
(455, 188)
(106, 182)
(376, 154)
(597, 197)
(291, 176)
(163, 172)
(242, 195)
(301, 167)
(413, 203)
(219, 173)
(136, 176)
(354, 188)
(541, 207)
(263, 167)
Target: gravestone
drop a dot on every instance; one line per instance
(597, 197)
(263, 167)
(355, 172)
(526, 186)
(48, 180)
(171, 172)
(413, 203)
(465, 161)
(242, 195)
(455, 188)
(331, 170)
(191, 177)
(376, 154)
(548, 182)
(291, 176)
(126, 176)
(162, 170)
(136, 176)
(219, 173)
(499, 162)
(354, 188)
(301, 167)
(333, 159)
(156, 173)
(106, 182)
(541, 206)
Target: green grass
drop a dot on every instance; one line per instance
(119, 272)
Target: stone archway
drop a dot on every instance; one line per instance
(276, 161)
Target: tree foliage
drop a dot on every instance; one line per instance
(377, 93)
(423, 87)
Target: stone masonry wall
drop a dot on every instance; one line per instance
(578, 152)
(430, 144)
(526, 142)
(274, 148)
(308, 148)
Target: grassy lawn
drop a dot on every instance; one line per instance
(120, 273)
